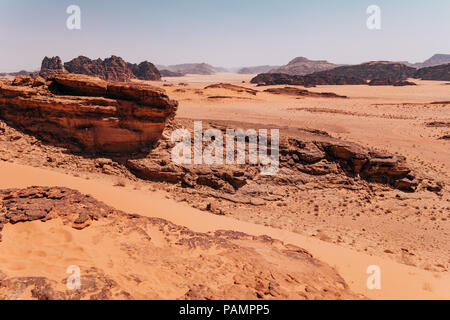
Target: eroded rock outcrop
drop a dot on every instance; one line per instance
(216, 265)
(51, 66)
(313, 154)
(110, 69)
(87, 113)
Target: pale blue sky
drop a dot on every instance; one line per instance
(227, 33)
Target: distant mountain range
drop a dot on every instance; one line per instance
(375, 73)
(192, 68)
(115, 68)
(435, 60)
(256, 69)
(19, 73)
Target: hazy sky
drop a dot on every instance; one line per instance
(227, 33)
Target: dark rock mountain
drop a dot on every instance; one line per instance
(51, 66)
(303, 66)
(110, 69)
(145, 71)
(310, 80)
(375, 70)
(354, 74)
(440, 73)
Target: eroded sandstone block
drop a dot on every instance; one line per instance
(86, 113)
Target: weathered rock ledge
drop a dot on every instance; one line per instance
(86, 113)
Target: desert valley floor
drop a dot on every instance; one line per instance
(343, 225)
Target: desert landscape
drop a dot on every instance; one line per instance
(363, 180)
(155, 151)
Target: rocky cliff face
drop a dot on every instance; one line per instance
(441, 73)
(110, 69)
(86, 113)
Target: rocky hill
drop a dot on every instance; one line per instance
(440, 72)
(110, 69)
(355, 74)
(51, 66)
(310, 80)
(379, 70)
(302, 66)
(86, 113)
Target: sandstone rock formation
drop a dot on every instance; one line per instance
(314, 154)
(110, 69)
(87, 113)
(302, 66)
(219, 265)
(440, 73)
(51, 66)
